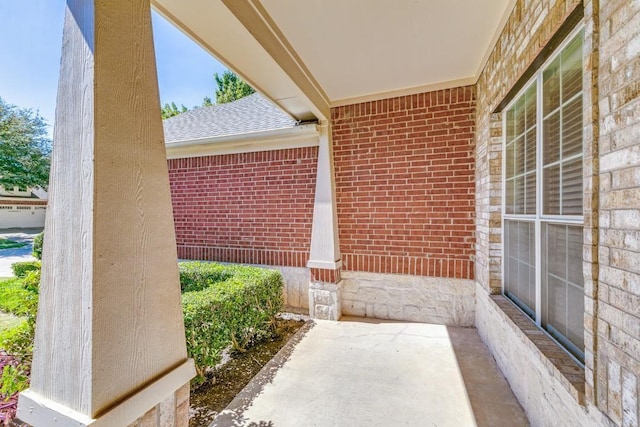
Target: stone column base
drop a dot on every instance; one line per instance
(325, 294)
(171, 391)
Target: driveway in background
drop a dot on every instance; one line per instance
(9, 256)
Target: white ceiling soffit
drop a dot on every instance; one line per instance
(210, 24)
(312, 54)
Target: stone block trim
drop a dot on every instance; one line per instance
(171, 412)
(413, 298)
(405, 185)
(565, 369)
(325, 300)
(546, 394)
(246, 207)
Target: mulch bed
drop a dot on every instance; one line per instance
(228, 379)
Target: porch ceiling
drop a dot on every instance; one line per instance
(312, 55)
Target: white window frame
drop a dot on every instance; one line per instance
(539, 218)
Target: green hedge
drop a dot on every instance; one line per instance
(16, 298)
(21, 269)
(229, 306)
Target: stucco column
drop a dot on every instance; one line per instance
(110, 346)
(325, 298)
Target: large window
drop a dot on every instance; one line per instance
(543, 154)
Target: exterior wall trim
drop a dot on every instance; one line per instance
(38, 410)
(277, 139)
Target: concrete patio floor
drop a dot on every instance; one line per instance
(364, 372)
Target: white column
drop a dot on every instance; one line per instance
(325, 261)
(110, 343)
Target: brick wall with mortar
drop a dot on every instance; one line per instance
(405, 184)
(250, 208)
(611, 217)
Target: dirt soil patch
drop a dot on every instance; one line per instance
(231, 377)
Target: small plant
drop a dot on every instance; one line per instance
(14, 380)
(21, 269)
(37, 246)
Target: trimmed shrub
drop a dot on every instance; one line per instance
(235, 306)
(37, 246)
(196, 276)
(20, 269)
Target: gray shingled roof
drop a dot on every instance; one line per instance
(253, 113)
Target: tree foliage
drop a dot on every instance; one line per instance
(230, 88)
(24, 148)
(170, 110)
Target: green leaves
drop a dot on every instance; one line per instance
(170, 110)
(24, 148)
(227, 305)
(230, 87)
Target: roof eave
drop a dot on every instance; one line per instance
(274, 139)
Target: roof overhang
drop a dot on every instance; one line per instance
(275, 139)
(310, 56)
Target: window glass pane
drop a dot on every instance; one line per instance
(509, 164)
(572, 187)
(574, 255)
(530, 194)
(519, 116)
(510, 129)
(519, 155)
(551, 191)
(575, 318)
(551, 87)
(563, 285)
(509, 195)
(518, 207)
(530, 150)
(572, 128)
(530, 106)
(571, 58)
(551, 138)
(520, 261)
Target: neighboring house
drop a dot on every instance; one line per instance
(474, 163)
(22, 208)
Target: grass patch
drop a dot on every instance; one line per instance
(10, 244)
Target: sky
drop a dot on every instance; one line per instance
(30, 46)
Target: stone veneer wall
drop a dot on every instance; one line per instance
(608, 395)
(171, 412)
(438, 300)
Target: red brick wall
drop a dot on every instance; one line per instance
(405, 184)
(246, 208)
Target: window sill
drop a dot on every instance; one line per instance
(560, 365)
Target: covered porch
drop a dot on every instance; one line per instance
(407, 101)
